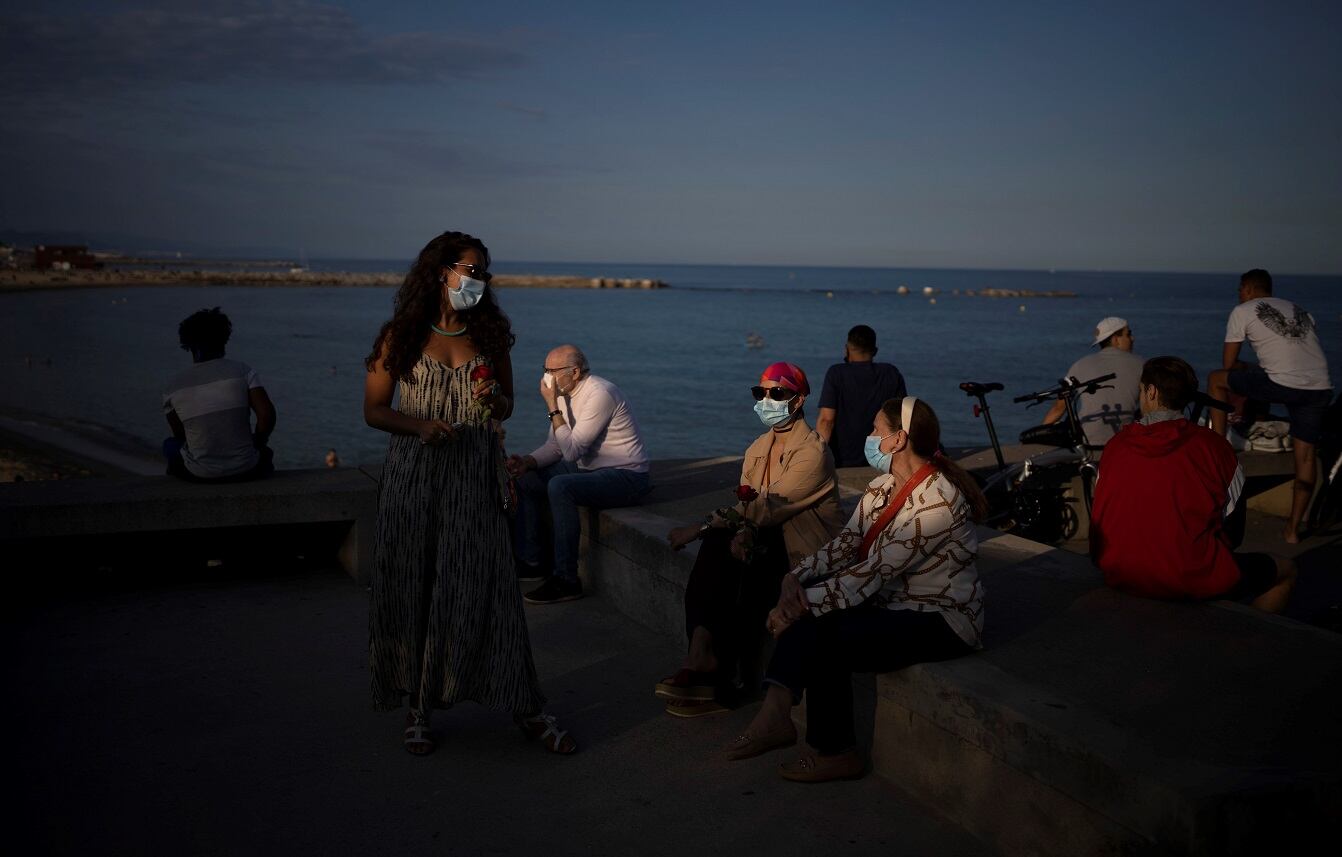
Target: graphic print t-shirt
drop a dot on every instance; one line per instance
(1284, 337)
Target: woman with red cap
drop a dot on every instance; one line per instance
(788, 507)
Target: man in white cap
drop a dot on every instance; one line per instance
(1118, 402)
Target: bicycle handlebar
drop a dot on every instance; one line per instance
(1065, 387)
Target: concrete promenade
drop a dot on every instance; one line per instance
(199, 710)
(228, 713)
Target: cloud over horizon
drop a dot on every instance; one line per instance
(216, 42)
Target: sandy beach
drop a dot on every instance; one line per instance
(34, 447)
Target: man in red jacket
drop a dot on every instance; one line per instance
(1158, 527)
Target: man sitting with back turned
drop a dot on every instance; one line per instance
(1159, 525)
(593, 457)
(853, 392)
(209, 408)
(1114, 405)
(1291, 371)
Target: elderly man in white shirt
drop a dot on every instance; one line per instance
(594, 457)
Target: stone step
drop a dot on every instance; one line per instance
(1092, 722)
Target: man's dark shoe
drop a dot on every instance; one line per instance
(554, 590)
(530, 573)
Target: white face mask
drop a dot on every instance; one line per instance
(467, 294)
(551, 382)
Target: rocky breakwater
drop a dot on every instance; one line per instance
(29, 280)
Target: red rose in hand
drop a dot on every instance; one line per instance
(745, 493)
(483, 372)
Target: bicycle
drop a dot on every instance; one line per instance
(1326, 508)
(1027, 497)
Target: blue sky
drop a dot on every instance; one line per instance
(942, 134)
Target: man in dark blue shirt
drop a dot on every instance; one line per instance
(854, 391)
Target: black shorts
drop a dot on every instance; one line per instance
(1257, 574)
(1305, 407)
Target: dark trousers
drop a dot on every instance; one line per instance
(172, 451)
(731, 599)
(820, 655)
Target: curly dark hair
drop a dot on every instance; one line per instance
(206, 330)
(419, 303)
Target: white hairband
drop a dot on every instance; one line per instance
(906, 413)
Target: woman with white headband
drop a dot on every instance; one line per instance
(897, 586)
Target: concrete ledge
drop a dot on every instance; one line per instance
(1092, 723)
(147, 504)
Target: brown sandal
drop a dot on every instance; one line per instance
(686, 686)
(545, 728)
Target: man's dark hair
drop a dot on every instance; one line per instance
(863, 339)
(205, 331)
(1258, 279)
(1174, 380)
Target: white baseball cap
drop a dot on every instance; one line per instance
(1108, 327)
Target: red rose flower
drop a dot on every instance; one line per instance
(745, 493)
(483, 372)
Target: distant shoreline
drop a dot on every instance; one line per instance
(32, 280)
(28, 280)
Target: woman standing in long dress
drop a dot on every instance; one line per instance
(446, 621)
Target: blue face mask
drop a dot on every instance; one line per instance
(872, 450)
(772, 413)
(467, 295)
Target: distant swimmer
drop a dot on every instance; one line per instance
(332, 460)
(754, 340)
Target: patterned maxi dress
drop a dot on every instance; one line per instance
(446, 621)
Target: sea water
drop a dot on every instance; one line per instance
(679, 354)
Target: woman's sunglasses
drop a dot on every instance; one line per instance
(778, 394)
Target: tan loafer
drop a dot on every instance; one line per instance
(748, 746)
(811, 767)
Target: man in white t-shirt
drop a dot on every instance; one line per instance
(209, 408)
(1117, 402)
(1291, 371)
(593, 457)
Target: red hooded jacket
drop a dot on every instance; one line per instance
(1156, 523)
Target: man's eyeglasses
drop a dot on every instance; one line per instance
(557, 368)
(478, 272)
(778, 394)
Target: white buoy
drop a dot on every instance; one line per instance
(931, 300)
(902, 290)
(829, 294)
(927, 290)
(1022, 307)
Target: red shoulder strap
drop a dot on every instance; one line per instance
(893, 509)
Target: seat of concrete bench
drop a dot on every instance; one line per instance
(144, 504)
(1093, 722)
